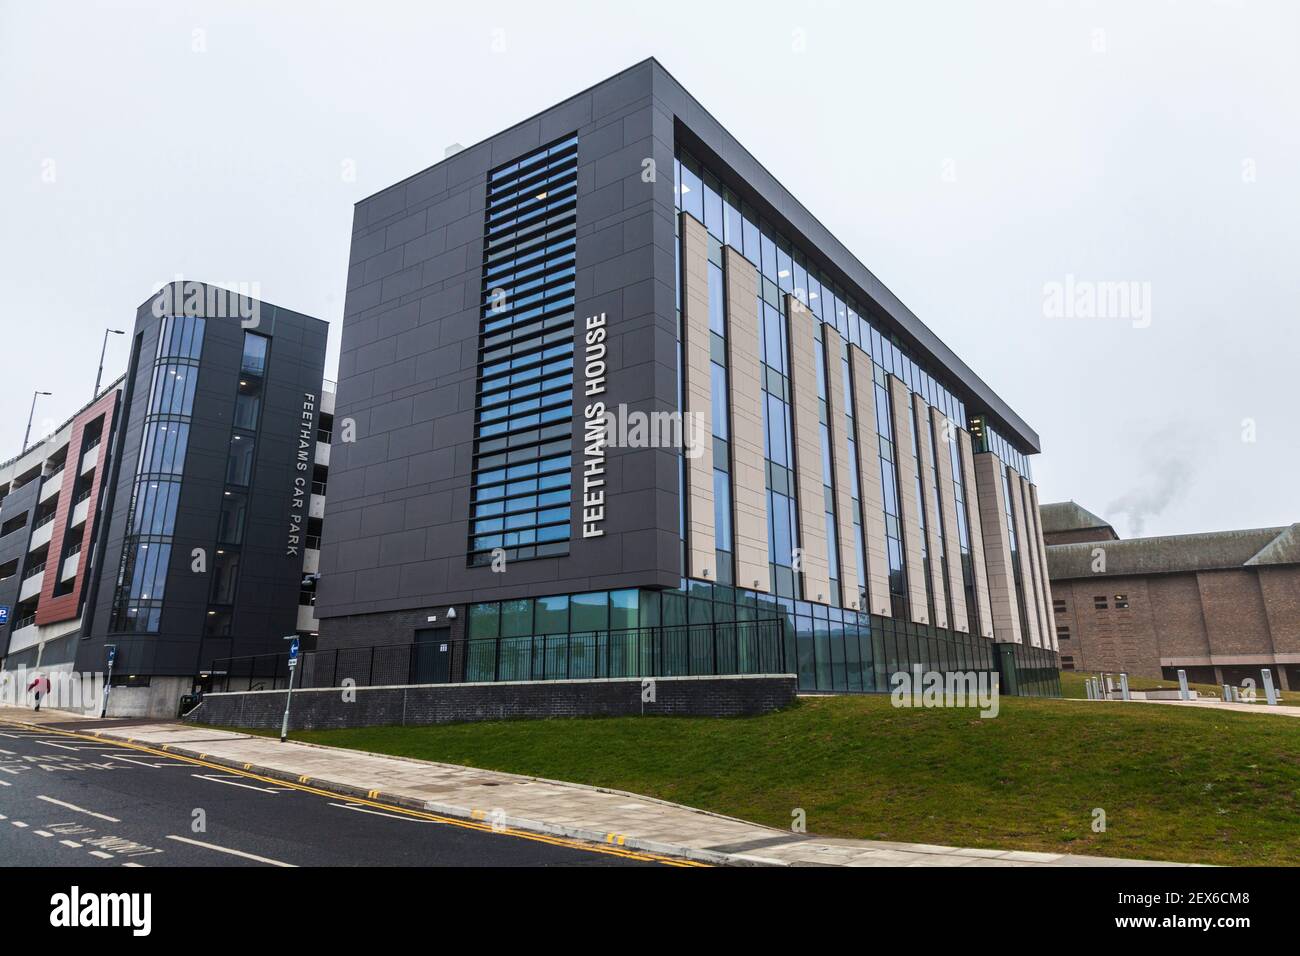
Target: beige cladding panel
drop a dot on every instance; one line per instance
(1022, 556)
(905, 465)
(701, 549)
(944, 432)
(1041, 549)
(871, 493)
(808, 453)
(839, 428)
(1030, 552)
(997, 548)
(749, 488)
(933, 529)
(982, 600)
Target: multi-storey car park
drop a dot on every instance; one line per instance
(177, 517)
(858, 502)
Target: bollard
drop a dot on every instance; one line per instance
(1087, 687)
(1123, 687)
(1183, 693)
(1269, 691)
(1227, 693)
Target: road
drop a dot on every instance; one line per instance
(72, 800)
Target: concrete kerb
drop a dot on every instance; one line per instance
(470, 814)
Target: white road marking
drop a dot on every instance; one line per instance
(141, 865)
(139, 763)
(101, 854)
(44, 833)
(232, 783)
(18, 823)
(5, 783)
(3, 817)
(52, 743)
(72, 843)
(8, 753)
(378, 813)
(226, 849)
(73, 806)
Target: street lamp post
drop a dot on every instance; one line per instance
(103, 349)
(30, 415)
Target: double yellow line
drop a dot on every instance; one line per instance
(612, 848)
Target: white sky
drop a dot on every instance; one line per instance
(969, 154)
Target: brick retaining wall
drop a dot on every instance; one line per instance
(325, 708)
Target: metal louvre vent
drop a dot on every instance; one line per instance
(523, 430)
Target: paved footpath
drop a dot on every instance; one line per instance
(536, 805)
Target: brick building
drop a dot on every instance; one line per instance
(1221, 605)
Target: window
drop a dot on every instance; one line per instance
(239, 466)
(722, 511)
(1099, 602)
(172, 392)
(1058, 605)
(589, 612)
(1121, 602)
(248, 403)
(230, 525)
(1062, 633)
(162, 449)
(253, 360)
(218, 622)
(225, 576)
(525, 363)
(180, 336)
(153, 510)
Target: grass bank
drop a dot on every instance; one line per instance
(1188, 784)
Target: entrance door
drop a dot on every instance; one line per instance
(432, 656)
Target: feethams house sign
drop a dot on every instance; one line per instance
(595, 429)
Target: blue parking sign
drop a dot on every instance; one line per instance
(4, 615)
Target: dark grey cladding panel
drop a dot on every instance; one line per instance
(409, 365)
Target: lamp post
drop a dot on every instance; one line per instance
(102, 350)
(30, 415)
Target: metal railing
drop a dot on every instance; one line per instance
(692, 650)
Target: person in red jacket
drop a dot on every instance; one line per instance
(41, 686)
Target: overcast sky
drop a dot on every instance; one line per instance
(986, 161)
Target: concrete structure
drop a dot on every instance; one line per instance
(622, 254)
(1220, 605)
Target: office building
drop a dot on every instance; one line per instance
(841, 476)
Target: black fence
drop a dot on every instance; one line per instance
(690, 650)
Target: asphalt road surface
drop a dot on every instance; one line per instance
(72, 801)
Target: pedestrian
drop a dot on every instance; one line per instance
(40, 685)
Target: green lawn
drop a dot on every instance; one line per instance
(1187, 784)
(1072, 686)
